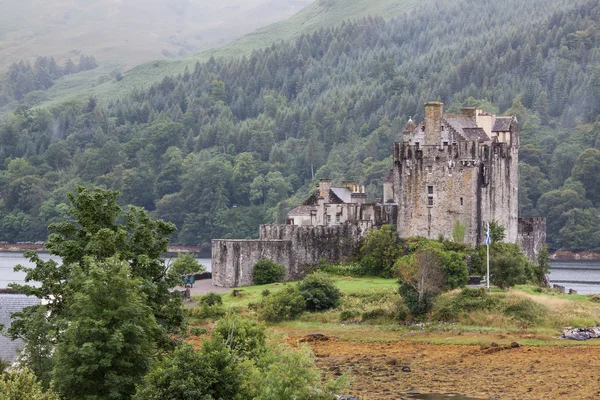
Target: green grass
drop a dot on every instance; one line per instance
(253, 294)
(319, 14)
(479, 327)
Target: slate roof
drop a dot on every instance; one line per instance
(343, 194)
(475, 134)
(11, 303)
(301, 210)
(502, 124)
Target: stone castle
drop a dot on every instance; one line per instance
(449, 169)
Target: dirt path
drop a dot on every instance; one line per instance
(514, 373)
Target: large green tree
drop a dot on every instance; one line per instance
(108, 343)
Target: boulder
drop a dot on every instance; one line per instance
(581, 333)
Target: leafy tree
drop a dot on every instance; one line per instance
(496, 232)
(185, 263)
(458, 233)
(245, 338)
(380, 250)
(22, 385)
(108, 344)
(284, 305)
(421, 279)
(585, 169)
(211, 373)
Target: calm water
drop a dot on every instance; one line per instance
(8, 260)
(583, 276)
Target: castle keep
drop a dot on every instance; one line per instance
(449, 170)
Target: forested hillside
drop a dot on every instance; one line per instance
(222, 147)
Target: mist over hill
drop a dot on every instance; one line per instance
(229, 142)
(129, 31)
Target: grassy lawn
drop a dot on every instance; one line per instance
(373, 303)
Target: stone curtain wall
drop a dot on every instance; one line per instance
(297, 248)
(233, 260)
(532, 236)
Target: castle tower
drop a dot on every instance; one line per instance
(457, 169)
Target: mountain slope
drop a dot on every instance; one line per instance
(318, 14)
(131, 31)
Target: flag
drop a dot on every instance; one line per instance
(487, 235)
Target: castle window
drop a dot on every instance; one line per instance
(430, 169)
(461, 201)
(423, 128)
(445, 144)
(337, 219)
(429, 189)
(328, 219)
(430, 201)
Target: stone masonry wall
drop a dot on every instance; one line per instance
(297, 248)
(532, 236)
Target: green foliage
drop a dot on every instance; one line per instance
(211, 373)
(267, 271)
(108, 344)
(204, 311)
(284, 305)
(379, 251)
(211, 299)
(496, 232)
(353, 269)
(458, 233)
(185, 263)
(542, 268)
(525, 311)
(245, 338)
(417, 305)
(508, 266)
(286, 373)
(467, 300)
(319, 292)
(23, 385)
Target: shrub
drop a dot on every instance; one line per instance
(319, 292)
(244, 337)
(450, 307)
(411, 299)
(204, 311)
(343, 269)
(379, 251)
(348, 314)
(211, 373)
(196, 331)
(185, 263)
(524, 310)
(374, 314)
(284, 305)
(507, 270)
(211, 299)
(265, 293)
(267, 271)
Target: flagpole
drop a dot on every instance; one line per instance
(487, 242)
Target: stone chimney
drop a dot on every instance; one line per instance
(324, 188)
(434, 110)
(359, 196)
(468, 112)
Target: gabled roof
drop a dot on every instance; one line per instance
(344, 195)
(12, 303)
(301, 211)
(502, 124)
(475, 134)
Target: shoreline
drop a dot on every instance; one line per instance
(39, 246)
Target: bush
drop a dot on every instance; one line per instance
(524, 310)
(379, 251)
(319, 292)
(284, 305)
(450, 307)
(185, 263)
(343, 269)
(244, 337)
(348, 314)
(411, 299)
(265, 293)
(267, 271)
(211, 299)
(507, 270)
(211, 373)
(204, 311)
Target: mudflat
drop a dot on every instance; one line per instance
(390, 370)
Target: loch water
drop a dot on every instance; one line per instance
(582, 276)
(8, 261)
